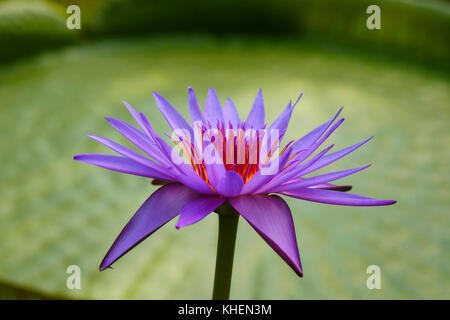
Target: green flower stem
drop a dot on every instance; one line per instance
(228, 223)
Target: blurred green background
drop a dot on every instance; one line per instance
(56, 85)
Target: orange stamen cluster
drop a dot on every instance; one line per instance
(240, 150)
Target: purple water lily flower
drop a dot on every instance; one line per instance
(196, 187)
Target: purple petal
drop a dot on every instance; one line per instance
(190, 178)
(332, 157)
(281, 123)
(305, 165)
(197, 209)
(328, 133)
(136, 117)
(138, 138)
(301, 156)
(259, 180)
(215, 172)
(230, 114)
(161, 207)
(256, 115)
(336, 197)
(172, 116)
(163, 150)
(323, 178)
(230, 185)
(119, 164)
(271, 218)
(213, 111)
(132, 155)
(291, 172)
(194, 108)
(306, 141)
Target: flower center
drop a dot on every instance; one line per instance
(238, 149)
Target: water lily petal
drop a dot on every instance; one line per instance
(282, 121)
(323, 178)
(230, 185)
(135, 136)
(132, 155)
(213, 111)
(230, 114)
(260, 179)
(291, 172)
(161, 207)
(190, 178)
(197, 209)
(172, 116)
(194, 108)
(256, 116)
(336, 197)
(332, 157)
(163, 150)
(303, 155)
(136, 116)
(307, 140)
(271, 217)
(119, 164)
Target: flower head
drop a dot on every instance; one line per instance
(218, 159)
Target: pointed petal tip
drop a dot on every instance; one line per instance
(386, 202)
(299, 271)
(110, 119)
(155, 212)
(157, 95)
(80, 156)
(282, 238)
(103, 265)
(298, 99)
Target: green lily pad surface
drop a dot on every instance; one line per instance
(56, 212)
